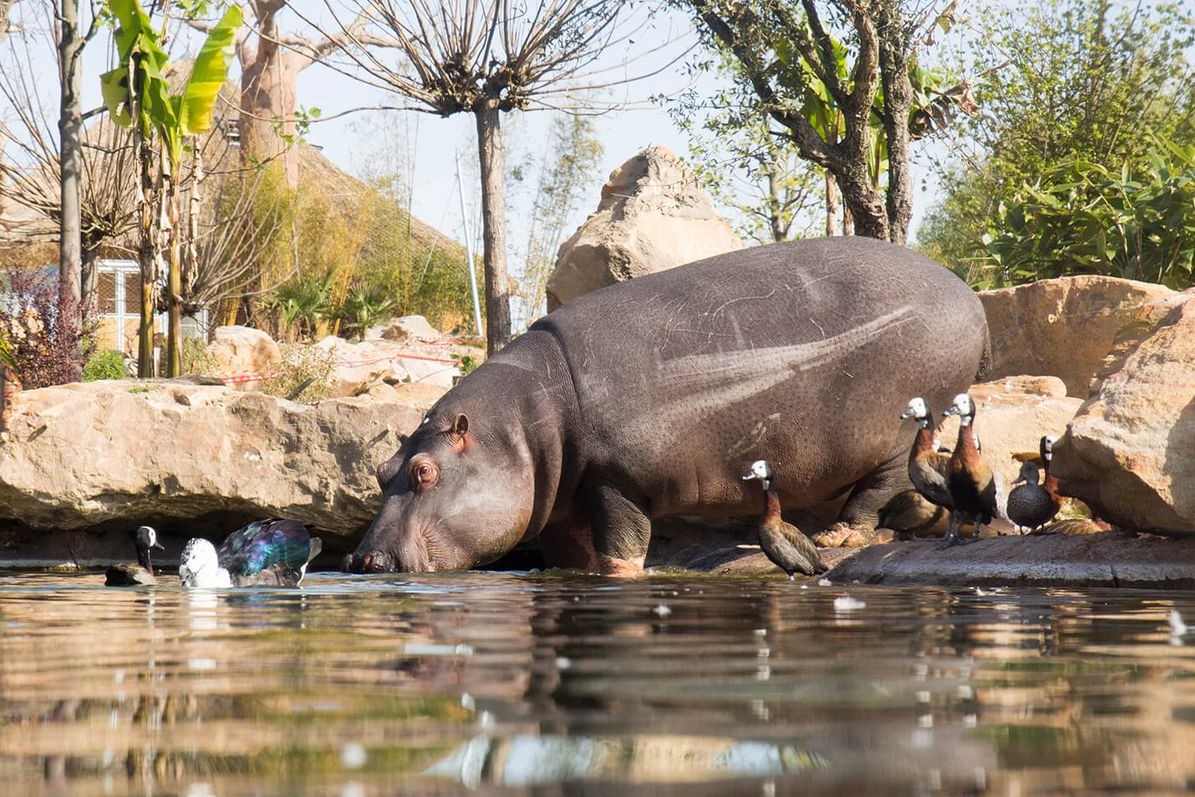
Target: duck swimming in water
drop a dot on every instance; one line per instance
(1030, 505)
(263, 553)
(783, 543)
(969, 476)
(128, 574)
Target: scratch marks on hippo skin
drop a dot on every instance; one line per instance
(752, 440)
(729, 377)
(688, 389)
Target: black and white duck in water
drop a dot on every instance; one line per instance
(263, 553)
(140, 573)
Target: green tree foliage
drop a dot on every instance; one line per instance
(1079, 217)
(1085, 116)
(746, 162)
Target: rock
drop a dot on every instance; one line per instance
(1064, 327)
(409, 328)
(652, 216)
(1128, 453)
(244, 356)
(1108, 559)
(193, 459)
(358, 366)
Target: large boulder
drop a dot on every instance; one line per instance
(1064, 327)
(652, 216)
(195, 459)
(244, 356)
(1130, 450)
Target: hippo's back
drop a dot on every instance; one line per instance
(802, 353)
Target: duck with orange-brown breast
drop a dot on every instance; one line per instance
(928, 467)
(783, 543)
(969, 477)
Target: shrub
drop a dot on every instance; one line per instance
(196, 357)
(305, 374)
(105, 364)
(45, 348)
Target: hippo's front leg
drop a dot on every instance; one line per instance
(621, 532)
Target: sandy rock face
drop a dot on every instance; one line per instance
(1130, 451)
(80, 455)
(1064, 327)
(244, 355)
(652, 216)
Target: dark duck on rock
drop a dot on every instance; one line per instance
(783, 543)
(1030, 504)
(263, 553)
(128, 574)
(909, 514)
(928, 467)
(972, 485)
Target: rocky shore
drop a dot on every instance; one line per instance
(1107, 365)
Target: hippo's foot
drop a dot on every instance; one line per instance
(842, 535)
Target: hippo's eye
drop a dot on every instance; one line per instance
(424, 475)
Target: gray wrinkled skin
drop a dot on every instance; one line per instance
(649, 398)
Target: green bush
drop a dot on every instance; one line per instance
(105, 364)
(305, 374)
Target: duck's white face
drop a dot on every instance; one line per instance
(962, 406)
(199, 566)
(1048, 444)
(760, 469)
(917, 409)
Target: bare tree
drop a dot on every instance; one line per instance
(485, 57)
(34, 176)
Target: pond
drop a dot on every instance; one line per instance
(560, 683)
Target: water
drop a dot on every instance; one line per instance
(565, 684)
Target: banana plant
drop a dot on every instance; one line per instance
(138, 95)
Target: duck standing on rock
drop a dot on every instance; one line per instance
(1030, 505)
(263, 553)
(128, 574)
(969, 477)
(783, 543)
(928, 467)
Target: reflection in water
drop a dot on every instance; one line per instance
(560, 682)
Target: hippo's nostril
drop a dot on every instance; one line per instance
(378, 562)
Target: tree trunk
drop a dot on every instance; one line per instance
(833, 206)
(146, 257)
(174, 280)
(70, 126)
(898, 101)
(269, 76)
(493, 224)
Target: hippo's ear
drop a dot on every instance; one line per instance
(387, 470)
(460, 426)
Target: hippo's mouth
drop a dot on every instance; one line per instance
(370, 562)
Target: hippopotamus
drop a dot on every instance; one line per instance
(649, 398)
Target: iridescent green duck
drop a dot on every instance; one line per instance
(263, 553)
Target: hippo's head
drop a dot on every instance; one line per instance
(452, 498)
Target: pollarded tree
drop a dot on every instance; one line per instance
(486, 57)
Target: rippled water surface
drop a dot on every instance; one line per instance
(560, 683)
